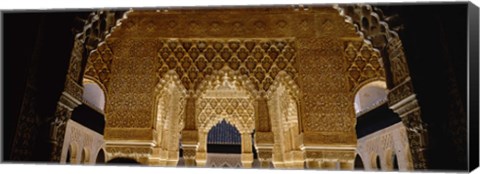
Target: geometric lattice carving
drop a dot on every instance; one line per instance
(228, 100)
(258, 59)
(98, 65)
(370, 21)
(365, 64)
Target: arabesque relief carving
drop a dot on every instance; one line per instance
(98, 65)
(288, 73)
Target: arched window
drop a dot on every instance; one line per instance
(68, 156)
(377, 162)
(395, 162)
(93, 94)
(370, 96)
(100, 157)
(358, 163)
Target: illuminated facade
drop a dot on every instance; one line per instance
(276, 87)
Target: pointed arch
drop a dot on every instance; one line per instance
(358, 164)
(228, 95)
(378, 163)
(100, 157)
(169, 115)
(283, 107)
(224, 133)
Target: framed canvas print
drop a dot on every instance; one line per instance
(326, 87)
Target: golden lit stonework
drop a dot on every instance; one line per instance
(287, 75)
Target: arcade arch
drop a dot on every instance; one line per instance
(282, 104)
(226, 96)
(100, 159)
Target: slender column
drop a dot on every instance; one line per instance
(201, 157)
(263, 135)
(190, 134)
(247, 155)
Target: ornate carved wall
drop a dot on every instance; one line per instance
(322, 54)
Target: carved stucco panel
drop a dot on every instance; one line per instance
(385, 143)
(82, 138)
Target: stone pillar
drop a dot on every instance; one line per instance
(406, 106)
(247, 155)
(201, 157)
